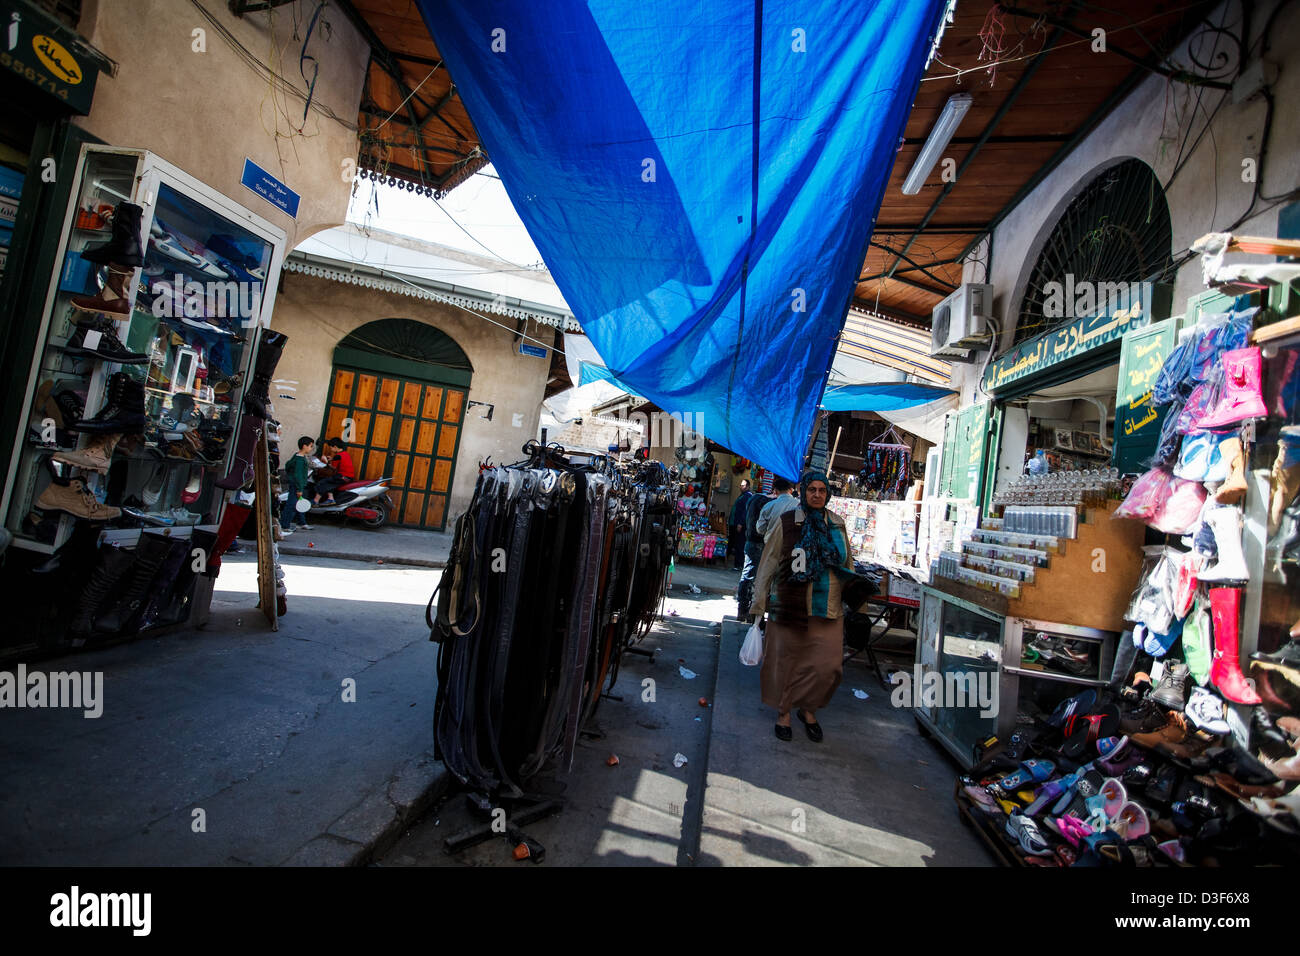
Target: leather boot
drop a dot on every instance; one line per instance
(1234, 489)
(176, 607)
(231, 522)
(150, 553)
(241, 460)
(124, 248)
(1284, 480)
(1231, 566)
(114, 563)
(1241, 397)
(123, 411)
(113, 299)
(1225, 672)
(96, 456)
(257, 395)
(161, 594)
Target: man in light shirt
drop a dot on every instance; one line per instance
(785, 500)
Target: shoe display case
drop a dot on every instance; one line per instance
(136, 391)
(960, 650)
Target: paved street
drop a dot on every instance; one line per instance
(247, 726)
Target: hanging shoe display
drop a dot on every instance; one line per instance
(1225, 672)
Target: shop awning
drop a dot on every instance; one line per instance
(701, 179)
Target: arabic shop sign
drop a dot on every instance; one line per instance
(37, 48)
(1137, 418)
(1133, 310)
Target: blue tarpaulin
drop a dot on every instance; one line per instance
(701, 177)
(883, 397)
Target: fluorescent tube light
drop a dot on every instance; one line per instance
(953, 112)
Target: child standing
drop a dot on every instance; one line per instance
(295, 473)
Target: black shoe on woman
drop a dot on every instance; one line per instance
(813, 730)
(784, 733)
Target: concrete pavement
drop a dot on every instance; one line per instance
(389, 545)
(234, 745)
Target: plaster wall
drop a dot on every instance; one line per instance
(206, 111)
(1207, 195)
(317, 313)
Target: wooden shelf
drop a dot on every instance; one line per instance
(1070, 591)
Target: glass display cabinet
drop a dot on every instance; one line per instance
(172, 339)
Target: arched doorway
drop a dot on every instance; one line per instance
(398, 388)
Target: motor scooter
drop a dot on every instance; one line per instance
(365, 500)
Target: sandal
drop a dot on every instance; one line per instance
(1031, 771)
(813, 730)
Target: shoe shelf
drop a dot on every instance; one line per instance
(185, 228)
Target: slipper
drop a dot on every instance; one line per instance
(1118, 766)
(1110, 747)
(1066, 854)
(1081, 703)
(981, 798)
(1048, 793)
(1113, 796)
(1072, 828)
(1131, 822)
(1084, 782)
(1025, 831)
(1031, 771)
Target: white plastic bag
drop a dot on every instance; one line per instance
(751, 652)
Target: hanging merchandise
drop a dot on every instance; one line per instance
(558, 565)
(887, 467)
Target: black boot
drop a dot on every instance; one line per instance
(160, 595)
(150, 553)
(107, 346)
(114, 563)
(124, 248)
(241, 462)
(123, 412)
(257, 394)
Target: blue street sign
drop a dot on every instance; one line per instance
(536, 351)
(269, 188)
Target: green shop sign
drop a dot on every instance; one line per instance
(1129, 306)
(39, 49)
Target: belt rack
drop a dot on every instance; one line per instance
(575, 548)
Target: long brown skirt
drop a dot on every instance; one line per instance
(802, 664)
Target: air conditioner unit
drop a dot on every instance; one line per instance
(957, 324)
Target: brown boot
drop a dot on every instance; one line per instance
(96, 456)
(1234, 489)
(1284, 483)
(113, 299)
(76, 499)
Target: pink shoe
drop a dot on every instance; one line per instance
(1241, 397)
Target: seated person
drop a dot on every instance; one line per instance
(340, 470)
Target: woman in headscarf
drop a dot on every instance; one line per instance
(806, 559)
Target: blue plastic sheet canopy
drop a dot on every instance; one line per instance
(884, 397)
(701, 177)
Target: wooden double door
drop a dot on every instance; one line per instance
(402, 429)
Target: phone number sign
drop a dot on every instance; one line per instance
(38, 49)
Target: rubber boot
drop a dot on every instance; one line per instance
(1225, 671)
(257, 395)
(241, 460)
(114, 563)
(1241, 397)
(231, 522)
(1231, 566)
(1234, 488)
(124, 248)
(150, 553)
